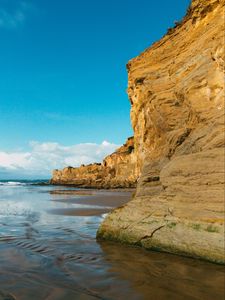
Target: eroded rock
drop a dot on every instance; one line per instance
(118, 170)
(176, 89)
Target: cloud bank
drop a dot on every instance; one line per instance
(44, 157)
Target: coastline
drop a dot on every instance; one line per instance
(177, 155)
(114, 189)
(97, 202)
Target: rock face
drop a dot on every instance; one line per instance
(118, 170)
(176, 89)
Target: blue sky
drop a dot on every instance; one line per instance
(63, 72)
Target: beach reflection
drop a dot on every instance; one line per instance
(156, 275)
(48, 250)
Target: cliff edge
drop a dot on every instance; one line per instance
(176, 89)
(117, 170)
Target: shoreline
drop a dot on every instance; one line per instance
(86, 187)
(97, 203)
(92, 187)
(113, 189)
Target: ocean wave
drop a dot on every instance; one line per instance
(12, 183)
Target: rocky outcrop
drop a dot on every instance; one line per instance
(176, 89)
(117, 170)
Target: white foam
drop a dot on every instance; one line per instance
(104, 215)
(12, 183)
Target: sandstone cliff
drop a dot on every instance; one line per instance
(116, 171)
(176, 89)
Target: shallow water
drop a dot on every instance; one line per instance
(47, 252)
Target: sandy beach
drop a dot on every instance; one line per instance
(96, 202)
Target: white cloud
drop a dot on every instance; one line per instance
(44, 157)
(12, 18)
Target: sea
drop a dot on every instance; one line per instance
(48, 250)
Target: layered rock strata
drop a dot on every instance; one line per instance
(117, 170)
(176, 89)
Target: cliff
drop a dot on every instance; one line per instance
(117, 170)
(176, 89)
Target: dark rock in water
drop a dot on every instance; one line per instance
(41, 183)
(6, 296)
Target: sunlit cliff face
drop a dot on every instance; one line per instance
(118, 169)
(176, 88)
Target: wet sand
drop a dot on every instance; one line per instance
(80, 212)
(72, 192)
(165, 276)
(56, 257)
(98, 203)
